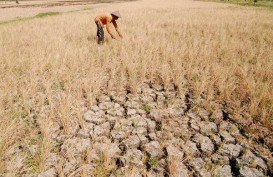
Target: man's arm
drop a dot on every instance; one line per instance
(116, 27)
(109, 30)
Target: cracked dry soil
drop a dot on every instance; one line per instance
(152, 133)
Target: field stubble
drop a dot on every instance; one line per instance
(50, 66)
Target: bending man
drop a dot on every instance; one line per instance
(106, 19)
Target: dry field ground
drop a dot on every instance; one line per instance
(10, 10)
(204, 66)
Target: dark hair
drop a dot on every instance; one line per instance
(116, 17)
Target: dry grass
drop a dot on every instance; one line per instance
(49, 66)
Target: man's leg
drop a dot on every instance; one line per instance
(100, 34)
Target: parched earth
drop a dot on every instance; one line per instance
(152, 133)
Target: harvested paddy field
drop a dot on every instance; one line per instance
(186, 92)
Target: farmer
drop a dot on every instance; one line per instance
(106, 19)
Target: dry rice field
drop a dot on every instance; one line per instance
(51, 69)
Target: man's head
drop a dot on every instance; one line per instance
(116, 15)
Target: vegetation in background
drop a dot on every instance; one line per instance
(256, 3)
(46, 14)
